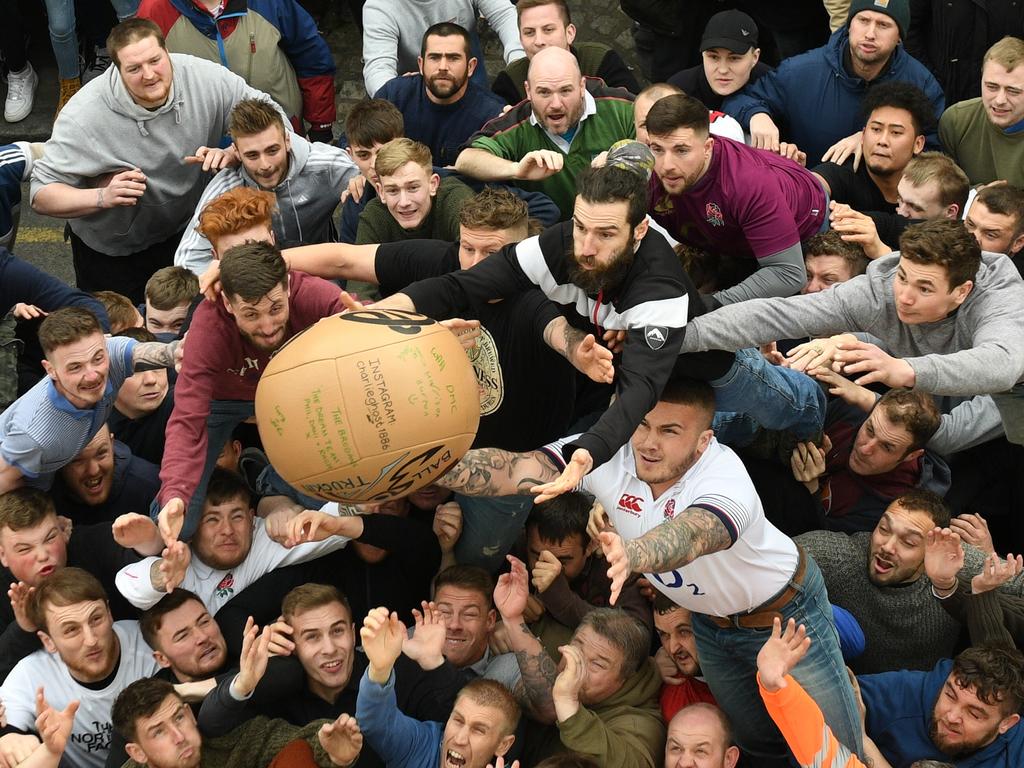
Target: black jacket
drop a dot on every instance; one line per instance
(951, 37)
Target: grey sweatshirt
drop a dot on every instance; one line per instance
(979, 349)
(101, 132)
(306, 199)
(393, 31)
(904, 626)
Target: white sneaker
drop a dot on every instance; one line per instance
(100, 63)
(21, 93)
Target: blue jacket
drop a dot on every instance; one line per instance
(816, 101)
(899, 712)
(22, 281)
(401, 741)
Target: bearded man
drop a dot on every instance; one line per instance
(442, 106)
(610, 273)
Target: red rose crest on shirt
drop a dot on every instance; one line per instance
(713, 214)
(670, 509)
(226, 586)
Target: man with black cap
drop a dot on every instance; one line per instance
(731, 59)
(816, 96)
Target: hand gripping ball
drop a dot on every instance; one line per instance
(367, 406)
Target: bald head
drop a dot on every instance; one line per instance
(643, 103)
(700, 728)
(553, 62)
(555, 88)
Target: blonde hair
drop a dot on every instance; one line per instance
(398, 152)
(1008, 52)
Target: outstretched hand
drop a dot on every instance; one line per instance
(342, 740)
(173, 566)
(780, 653)
(995, 572)
(252, 663)
(466, 331)
(54, 727)
(20, 593)
(874, 365)
(382, 635)
(512, 591)
(593, 360)
(943, 557)
(577, 468)
(214, 159)
(426, 645)
(539, 164)
(852, 145)
(614, 549)
(171, 520)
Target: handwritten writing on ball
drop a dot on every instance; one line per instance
(367, 406)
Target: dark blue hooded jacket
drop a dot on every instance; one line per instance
(899, 714)
(815, 101)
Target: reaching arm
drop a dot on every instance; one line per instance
(150, 355)
(495, 472)
(580, 349)
(538, 670)
(781, 274)
(485, 166)
(335, 261)
(677, 542)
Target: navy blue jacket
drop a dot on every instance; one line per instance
(815, 101)
(899, 713)
(23, 282)
(442, 127)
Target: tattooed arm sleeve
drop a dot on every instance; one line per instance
(538, 672)
(679, 541)
(495, 472)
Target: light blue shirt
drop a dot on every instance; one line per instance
(42, 431)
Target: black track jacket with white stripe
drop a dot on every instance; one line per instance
(652, 304)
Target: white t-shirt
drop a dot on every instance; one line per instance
(216, 586)
(90, 736)
(756, 567)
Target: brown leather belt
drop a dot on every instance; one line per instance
(763, 615)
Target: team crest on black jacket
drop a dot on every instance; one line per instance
(656, 336)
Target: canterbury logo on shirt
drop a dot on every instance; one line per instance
(631, 504)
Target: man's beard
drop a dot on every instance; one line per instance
(446, 89)
(961, 750)
(606, 277)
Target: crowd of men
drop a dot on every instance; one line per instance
(749, 345)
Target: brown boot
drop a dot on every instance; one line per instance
(68, 88)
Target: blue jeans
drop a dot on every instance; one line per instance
(224, 417)
(756, 393)
(60, 15)
(490, 526)
(728, 659)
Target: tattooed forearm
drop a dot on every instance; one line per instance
(495, 472)
(677, 542)
(151, 355)
(563, 338)
(538, 676)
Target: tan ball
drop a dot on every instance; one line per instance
(367, 406)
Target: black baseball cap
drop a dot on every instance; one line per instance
(732, 29)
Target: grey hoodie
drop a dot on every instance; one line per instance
(978, 349)
(306, 199)
(102, 131)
